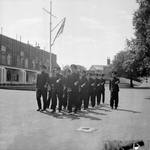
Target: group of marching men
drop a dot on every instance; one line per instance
(72, 89)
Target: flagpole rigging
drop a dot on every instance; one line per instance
(60, 30)
(50, 39)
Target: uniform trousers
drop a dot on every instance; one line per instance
(41, 93)
(114, 99)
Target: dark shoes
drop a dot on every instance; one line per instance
(38, 110)
(53, 111)
(43, 110)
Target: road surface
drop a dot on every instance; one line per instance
(23, 128)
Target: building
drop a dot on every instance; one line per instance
(102, 69)
(97, 69)
(20, 62)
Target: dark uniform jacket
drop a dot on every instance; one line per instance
(83, 84)
(73, 82)
(56, 83)
(113, 85)
(92, 84)
(52, 83)
(42, 80)
(100, 84)
(59, 82)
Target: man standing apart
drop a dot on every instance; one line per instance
(114, 89)
(41, 88)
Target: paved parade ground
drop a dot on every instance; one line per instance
(23, 128)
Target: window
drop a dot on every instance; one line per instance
(8, 59)
(33, 64)
(26, 63)
(8, 75)
(22, 58)
(18, 60)
(22, 54)
(3, 49)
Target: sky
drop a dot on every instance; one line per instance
(94, 29)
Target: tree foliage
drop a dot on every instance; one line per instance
(141, 23)
(134, 60)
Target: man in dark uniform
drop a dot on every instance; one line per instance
(92, 89)
(52, 83)
(87, 91)
(73, 89)
(56, 89)
(67, 72)
(100, 88)
(114, 89)
(41, 88)
(49, 89)
(59, 88)
(83, 91)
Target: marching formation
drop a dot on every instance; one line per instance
(72, 90)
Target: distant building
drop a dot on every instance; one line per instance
(20, 62)
(97, 69)
(102, 69)
(81, 68)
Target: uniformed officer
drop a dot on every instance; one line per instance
(41, 88)
(73, 89)
(56, 83)
(100, 88)
(92, 88)
(59, 88)
(87, 91)
(49, 96)
(67, 73)
(52, 83)
(82, 89)
(114, 89)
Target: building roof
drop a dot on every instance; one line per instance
(97, 67)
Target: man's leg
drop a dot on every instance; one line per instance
(80, 100)
(98, 97)
(116, 100)
(38, 98)
(93, 99)
(70, 96)
(103, 96)
(60, 100)
(64, 99)
(54, 101)
(44, 95)
(112, 100)
(49, 99)
(76, 101)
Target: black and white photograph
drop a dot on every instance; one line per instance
(74, 74)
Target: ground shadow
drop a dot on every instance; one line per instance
(141, 88)
(148, 98)
(65, 115)
(132, 111)
(97, 113)
(89, 117)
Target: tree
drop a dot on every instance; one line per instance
(141, 23)
(134, 61)
(126, 62)
(118, 61)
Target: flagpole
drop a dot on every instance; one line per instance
(50, 39)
